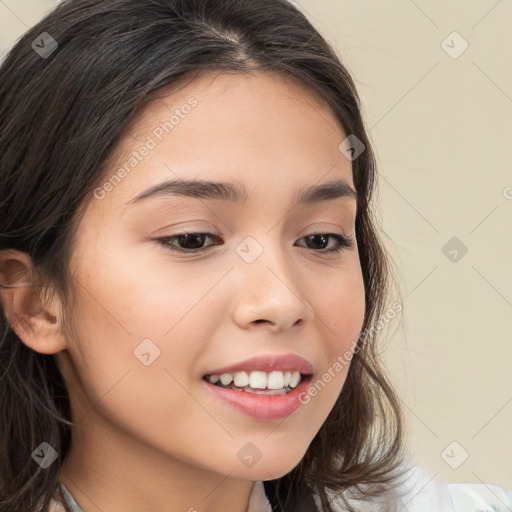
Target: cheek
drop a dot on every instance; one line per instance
(142, 329)
(339, 302)
(340, 317)
(134, 376)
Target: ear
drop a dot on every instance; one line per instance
(36, 321)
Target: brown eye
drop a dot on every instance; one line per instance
(187, 242)
(321, 239)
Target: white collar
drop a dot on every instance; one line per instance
(258, 501)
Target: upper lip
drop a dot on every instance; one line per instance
(268, 363)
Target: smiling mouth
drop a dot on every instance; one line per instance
(280, 383)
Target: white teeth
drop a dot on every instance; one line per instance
(241, 379)
(294, 379)
(258, 380)
(281, 391)
(226, 379)
(275, 380)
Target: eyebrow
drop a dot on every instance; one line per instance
(237, 193)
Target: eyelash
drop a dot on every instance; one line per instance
(344, 242)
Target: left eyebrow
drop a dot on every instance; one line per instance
(233, 192)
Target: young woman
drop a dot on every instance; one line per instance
(191, 275)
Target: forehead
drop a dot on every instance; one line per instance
(238, 96)
(257, 128)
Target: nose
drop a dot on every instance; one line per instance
(269, 292)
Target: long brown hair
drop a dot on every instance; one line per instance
(61, 114)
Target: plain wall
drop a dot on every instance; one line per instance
(441, 126)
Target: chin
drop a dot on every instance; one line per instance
(269, 470)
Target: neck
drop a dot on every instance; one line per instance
(106, 470)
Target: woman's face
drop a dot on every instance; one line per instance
(151, 321)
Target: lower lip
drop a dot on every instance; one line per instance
(262, 407)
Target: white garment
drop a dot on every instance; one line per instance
(421, 492)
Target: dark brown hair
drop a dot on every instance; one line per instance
(61, 115)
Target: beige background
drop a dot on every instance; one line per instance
(442, 130)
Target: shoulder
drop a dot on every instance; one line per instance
(420, 490)
(455, 497)
(480, 498)
(424, 491)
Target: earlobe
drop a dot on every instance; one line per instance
(36, 323)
